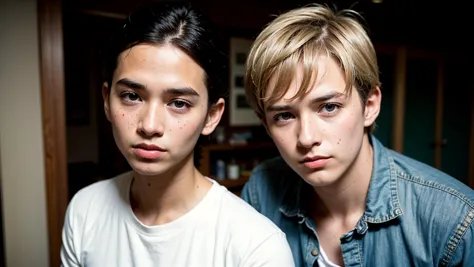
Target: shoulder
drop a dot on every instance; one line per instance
(435, 198)
(268, 183)
(95, 199)
(243, 220)
(102, 189)
(420, 177)
(417, 181)
(251, 233)
(244, 217)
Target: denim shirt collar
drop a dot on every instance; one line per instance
(293, 199)
(382, 202)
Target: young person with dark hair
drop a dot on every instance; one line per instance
(163, 93)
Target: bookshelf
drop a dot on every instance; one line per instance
(246, 156)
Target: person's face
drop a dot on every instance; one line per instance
(158, 106)
(320, 135)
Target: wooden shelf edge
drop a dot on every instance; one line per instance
(227, 146)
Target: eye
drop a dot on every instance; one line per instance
(180, 105)
(283, 116)
(130, 97)
(330, 108)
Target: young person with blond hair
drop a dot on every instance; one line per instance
(341, 197)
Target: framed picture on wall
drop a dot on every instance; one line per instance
(241, 114)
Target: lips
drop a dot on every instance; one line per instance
(316, 162)
(149, 147)
(148, 151)
(315, 158)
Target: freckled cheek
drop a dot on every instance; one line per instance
(348, 134)
(122, 117)
(342, 136)
(185, 126)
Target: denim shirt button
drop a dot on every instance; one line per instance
(314, 252)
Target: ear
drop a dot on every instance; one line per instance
(105, 96)
(213, 117)
(372, 106)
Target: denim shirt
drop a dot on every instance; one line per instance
(415, 215)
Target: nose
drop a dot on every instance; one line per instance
(308, 133)
(151, 120)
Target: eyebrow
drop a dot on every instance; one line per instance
(327, 97)
(182, 91)
(131, 84)
(172, 91)
(323, 98)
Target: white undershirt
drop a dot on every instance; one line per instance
(323, 260)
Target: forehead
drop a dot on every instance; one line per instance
(322, 76)
(159, 67)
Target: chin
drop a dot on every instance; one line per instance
(318, 179)
(148, 168)
(318, 182)
(147, 172)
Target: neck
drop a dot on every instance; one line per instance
(346, 198)
(164, 198)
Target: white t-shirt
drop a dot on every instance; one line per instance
(222, 230)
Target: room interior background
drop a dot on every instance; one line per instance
(427, 107)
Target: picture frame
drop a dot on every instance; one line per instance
(241, 114)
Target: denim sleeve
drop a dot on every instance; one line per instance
(468, 251)
(248, 193)
(462, 243)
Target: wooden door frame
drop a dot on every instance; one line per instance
(400, 85)
(51, 53)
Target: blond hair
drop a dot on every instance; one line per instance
(299, 37)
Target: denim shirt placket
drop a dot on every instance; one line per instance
(309, 242)
(350, 244)
(306, 228)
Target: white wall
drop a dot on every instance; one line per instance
(21, 139)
